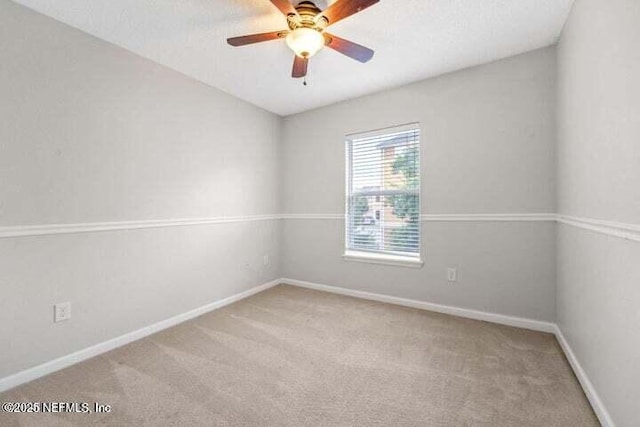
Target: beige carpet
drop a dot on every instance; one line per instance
(297, 357)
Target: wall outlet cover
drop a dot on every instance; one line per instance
(62, 311)
(452, 274)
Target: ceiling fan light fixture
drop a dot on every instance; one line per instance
(305, 34)
(305, 42)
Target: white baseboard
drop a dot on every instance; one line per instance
(536, 325)
(587, 386)
(520, 322)
(95, 350)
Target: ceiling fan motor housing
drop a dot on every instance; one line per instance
(307, 13)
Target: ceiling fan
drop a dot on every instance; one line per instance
(306, 34)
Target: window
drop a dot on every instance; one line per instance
(383, 196)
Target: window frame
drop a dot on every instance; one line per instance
(375, 256)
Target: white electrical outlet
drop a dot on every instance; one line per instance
(265, 260)
(62, 311)
(452, 274)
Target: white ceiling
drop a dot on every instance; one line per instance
(413, 40)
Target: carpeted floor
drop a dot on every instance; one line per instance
(297, 357)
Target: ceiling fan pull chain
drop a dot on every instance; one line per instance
(304, 81)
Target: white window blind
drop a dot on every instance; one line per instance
(383, 192)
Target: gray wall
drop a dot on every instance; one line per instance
(90, 132)
(598, 284)
(488, 146)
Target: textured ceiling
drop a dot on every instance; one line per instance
(413, 40)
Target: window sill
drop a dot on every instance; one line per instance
(394, 260)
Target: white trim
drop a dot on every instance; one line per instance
(377, 258)
(587, 386)
(520, 322)
(91, 227)
(321, 216)
(497, 217)
(601, 412)
(536, 325)
(610, 228)
(70, 359)
(615, 229)
(407, 127)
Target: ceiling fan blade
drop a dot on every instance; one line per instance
(299, 67)
(344, 8)
(257, 38)
(285, 7)
(351, 49)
